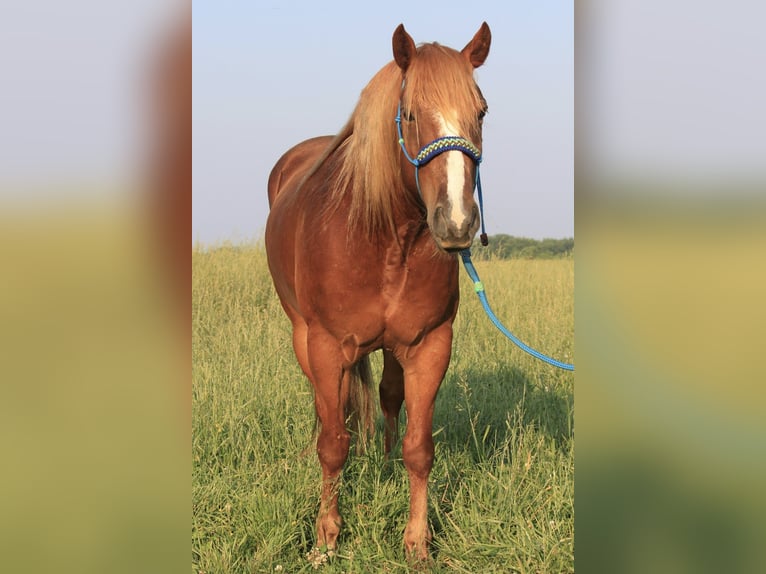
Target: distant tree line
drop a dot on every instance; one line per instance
(503, 246)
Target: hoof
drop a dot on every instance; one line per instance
(319, 557)
(417, 547)
(328, 528)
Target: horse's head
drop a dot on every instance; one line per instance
(440, 118)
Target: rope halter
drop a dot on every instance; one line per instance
(437, 147)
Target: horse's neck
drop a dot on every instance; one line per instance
(411, 238)
(404, 237)
(408, 224)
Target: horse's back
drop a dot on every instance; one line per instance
(294, 164)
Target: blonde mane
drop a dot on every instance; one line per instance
(368, 153)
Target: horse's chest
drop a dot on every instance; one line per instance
(390, 303)
(417, 299)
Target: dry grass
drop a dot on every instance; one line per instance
(501, 493)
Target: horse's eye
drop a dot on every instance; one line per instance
(483, 113)
(408, 116)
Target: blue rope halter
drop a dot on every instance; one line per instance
(437, 147)
(457, 143)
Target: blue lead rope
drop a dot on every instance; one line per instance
(478, 286)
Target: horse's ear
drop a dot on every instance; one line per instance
(404, 47)
(477, 49)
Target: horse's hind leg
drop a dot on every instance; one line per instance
(331, 388)
(391, 397)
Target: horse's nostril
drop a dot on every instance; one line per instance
(439, 222)
(474, 217)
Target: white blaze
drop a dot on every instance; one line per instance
(455, 174)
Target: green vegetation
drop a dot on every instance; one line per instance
(501, 490)
(509, 247)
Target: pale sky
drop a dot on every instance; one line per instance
(268, 75)
(663, 88)
(74, 93)
(673, 90)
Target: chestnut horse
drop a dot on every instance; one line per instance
(362, 246)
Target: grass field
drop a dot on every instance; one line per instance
(502, 486)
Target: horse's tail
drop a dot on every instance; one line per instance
(359, 409)
(360, 405)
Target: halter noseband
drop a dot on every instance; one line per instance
(439, 146)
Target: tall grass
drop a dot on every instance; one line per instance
(501, 490)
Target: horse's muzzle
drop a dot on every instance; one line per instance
(450, 235)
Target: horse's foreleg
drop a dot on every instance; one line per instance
(391, 397)
(424, 369)
(331, 384)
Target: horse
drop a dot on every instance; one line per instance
(361, 241)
